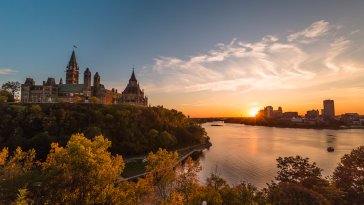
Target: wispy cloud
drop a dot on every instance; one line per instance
(268, 64)
(316, 29)
(5, 71)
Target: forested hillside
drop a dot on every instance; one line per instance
(131, 129)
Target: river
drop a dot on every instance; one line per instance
(249, 153)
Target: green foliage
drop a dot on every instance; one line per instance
(166, 140)
(22, 198)
(12, 87)
(132, 130)
(3, 98)
(349, 175)
(58, 100)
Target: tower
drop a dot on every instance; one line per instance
(87, 84)
(72, 72)
(329, 109)
(87, 80)
(96, 82)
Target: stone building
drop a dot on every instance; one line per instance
(133, 95)
(49, 91)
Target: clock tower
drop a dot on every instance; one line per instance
(72, 71)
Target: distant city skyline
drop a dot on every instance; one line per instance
(205, 58)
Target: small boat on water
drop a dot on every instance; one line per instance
(330, 149)
(216, 125)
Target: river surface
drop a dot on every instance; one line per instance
(249, 153)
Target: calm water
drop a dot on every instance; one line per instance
(249, 153)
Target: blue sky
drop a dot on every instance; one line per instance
(195, 56)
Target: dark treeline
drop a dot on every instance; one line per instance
(131, 129)
(272, 122)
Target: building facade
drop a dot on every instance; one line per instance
(329, 110)
(312, 114)
(50, 91)
(132, 94)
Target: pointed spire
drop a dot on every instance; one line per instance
(133, 78)
(73, 59)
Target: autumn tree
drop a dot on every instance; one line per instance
(93, 99)
(15, 172)
(187, 180)
(160, 166)
(12, 87)
(77, 99)
(349, 175)
(83, 172)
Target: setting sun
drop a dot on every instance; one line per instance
(254, 111)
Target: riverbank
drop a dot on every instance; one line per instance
(135, 167)
(279, 123)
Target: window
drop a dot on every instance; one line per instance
(71, 94)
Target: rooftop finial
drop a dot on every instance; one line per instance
(133, 67)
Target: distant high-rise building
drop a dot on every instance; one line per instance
(329, 109)
(312, 114)
(269, 111)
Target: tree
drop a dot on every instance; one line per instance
(3, 98)
(215, 180)
(166, 140)
(94, 99)
(297, 170)
(12, 87)
(187, 179)
(160, 166)
(349, 175)
(77, 99)
(293, 193)
(83, 172)
(16, 172)
(58, 100)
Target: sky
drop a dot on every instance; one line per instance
(204, 58)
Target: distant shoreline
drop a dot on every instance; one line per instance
(316, 128)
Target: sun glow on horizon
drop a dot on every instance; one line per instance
(254, 111)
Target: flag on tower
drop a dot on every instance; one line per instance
(74, 46)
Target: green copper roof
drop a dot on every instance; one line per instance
(101, 90)
(70, 87)
(73, 58)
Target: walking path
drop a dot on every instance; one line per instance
(127, 160)
(202, 147)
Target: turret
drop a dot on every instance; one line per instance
(96, 82)
(87, 80)
(61, 81)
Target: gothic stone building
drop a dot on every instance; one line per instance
(133, 95)
(49, 91)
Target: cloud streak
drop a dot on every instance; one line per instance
(5, 71)
(270, 64)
